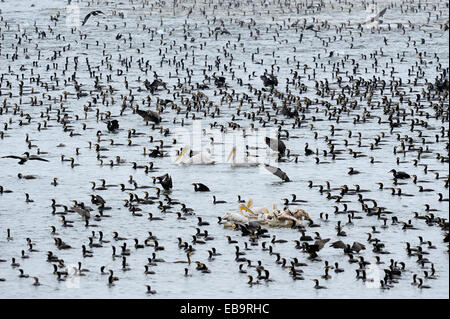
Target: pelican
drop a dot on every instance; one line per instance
(241, 162)
(256, 212)
(201, 158)
(236, 218)
(299, 213)
(282, 219)
(226, 223)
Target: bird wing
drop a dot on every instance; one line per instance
(276, 144)
(142, 113)
(322, 242)
(381, 13)
(376, 17)
(281, 146)
(338, 244)
(278, 172)
(95, 12)
(81, 212)
(272, 143)
(149, 115)
(12, 156)
(100, 199)
(165, 176)
(168, 180)
(86, 18)
(358, 246)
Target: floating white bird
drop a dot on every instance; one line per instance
(280, 219)
(276, 217)
(201, 158)
(263, 216)
(284, 219)
(236, 218)
(299, 213)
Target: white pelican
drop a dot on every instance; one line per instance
(201, 158)
(241, 162)
(225, 223)
(276, 218)
(300, 214)
(262, 215)
(282, 219)
(256, 212)
(236, 218)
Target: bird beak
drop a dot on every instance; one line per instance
(233, 152)
(242, 207)
(181, 155)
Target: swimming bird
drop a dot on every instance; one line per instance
(317, 286)
(4, 191)
(231, 241)
(269, 80)
(200, 158)
(399, 174)
(111, 278)
(421, 285)
(36, 281)
(148, 271)
(151, 218)
(165, 181)
(251, 282)
(149, 290)
(201, 222)
(112, 125)
(199, 187)
(215, 201)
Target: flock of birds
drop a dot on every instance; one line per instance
(111, 92)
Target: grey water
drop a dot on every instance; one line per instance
(167, 23)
